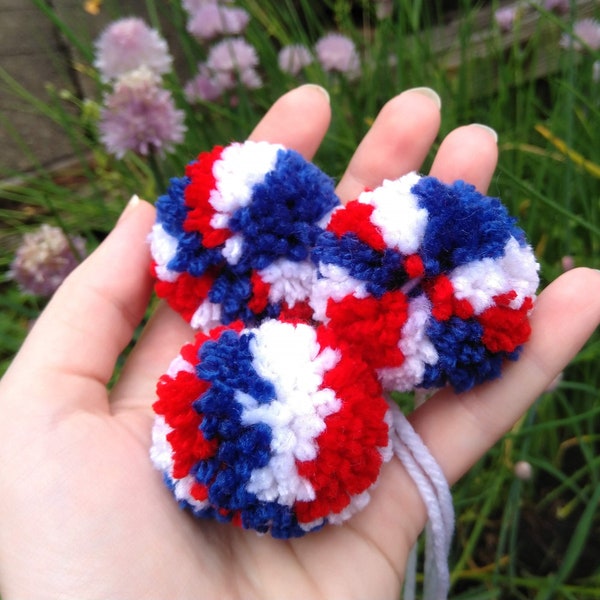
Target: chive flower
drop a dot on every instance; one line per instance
(126, 45)
(44, 259)
(139, 115)
(337, 53)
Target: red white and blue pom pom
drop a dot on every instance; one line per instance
(433, 282)
(273, 428)
(233, 236)
(276, 418)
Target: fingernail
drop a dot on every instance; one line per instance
(129, 207)
(429, 93)
(491, 131)
(323, 91)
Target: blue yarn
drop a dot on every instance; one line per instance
(382, 271)
(171, 213)
(463, 225)
(170, 207)
(192, 257)
(233, 292)
(282, 219)
(463, 360)
(227, 365)
(277, 519)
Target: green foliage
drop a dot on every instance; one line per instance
(515, 538)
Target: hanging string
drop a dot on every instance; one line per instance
(435, 492)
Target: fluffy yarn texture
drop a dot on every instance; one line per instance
(277, 417)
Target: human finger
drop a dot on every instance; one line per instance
(459, 429)
(298, 120)
(397, 143)
(469, 153)
(75, 343)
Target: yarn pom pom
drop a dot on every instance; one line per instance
(233, 237)
(241, 437)
(433, 283)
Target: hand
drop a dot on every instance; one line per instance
(82, 512)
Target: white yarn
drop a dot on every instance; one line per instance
(435, 492)
(232, 250)
(336, 283)
(290, 281)
(238, 170)
(161, 455)
(397, 214)
(207, 316)
(179, 364)
(296, 416)
(163, 248)
(417, 349)
(479, 281)
(161, 451)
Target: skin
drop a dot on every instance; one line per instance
(82, 512)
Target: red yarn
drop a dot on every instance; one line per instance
(348, 449)
(505, 328)
(356, 218)
(197, 199)
(414, 267)
(444, 304)
(199, 491)
(175, 402)
(301, 312)
(260, 294)
(186, 293)
(371, 326)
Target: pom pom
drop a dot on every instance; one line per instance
(276, 419)
(240, 437)
(234, 236)
(459, 270)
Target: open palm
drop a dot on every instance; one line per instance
(82, 512)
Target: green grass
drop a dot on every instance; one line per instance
(535, 539)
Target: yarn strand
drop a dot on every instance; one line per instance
(436, 495)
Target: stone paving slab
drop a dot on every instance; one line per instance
(33, 53)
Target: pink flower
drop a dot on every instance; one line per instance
(230, 58)
(567, 263)
(127, 44)
(44, 259)
(523, 470)
(140, 115)
(560, 7)
(506, 16)
(234, 54)
(586, 34)
(292, 59)
(336, 52)
(204, 86)
(211, 20)
(250, 79)
(384, 8)
(193, 6)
